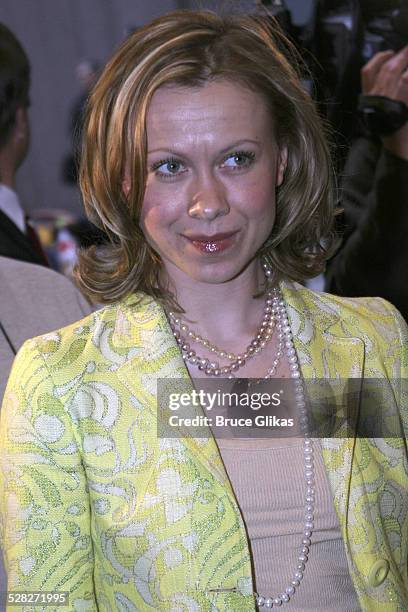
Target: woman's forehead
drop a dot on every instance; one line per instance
(198, 112)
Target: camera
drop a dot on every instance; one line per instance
(338, 39)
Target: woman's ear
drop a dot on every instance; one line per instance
(282, 163)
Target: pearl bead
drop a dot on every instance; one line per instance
(290, 590)
(260, 601)
(268, 602)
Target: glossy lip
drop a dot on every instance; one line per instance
(212, 244)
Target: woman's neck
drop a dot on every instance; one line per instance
(223, 312)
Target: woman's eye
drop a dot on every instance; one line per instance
(240, 159)
(168, 167)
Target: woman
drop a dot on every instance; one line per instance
(202, 155)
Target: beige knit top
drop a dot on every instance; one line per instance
(267, 478)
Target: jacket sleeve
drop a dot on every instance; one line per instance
(401, 354)
(44, 504)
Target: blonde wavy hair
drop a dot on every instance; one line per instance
(190, 48)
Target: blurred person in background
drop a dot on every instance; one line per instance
(18, 238)
(373, 259)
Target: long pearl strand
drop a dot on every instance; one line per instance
(275, 314)
(309, 471)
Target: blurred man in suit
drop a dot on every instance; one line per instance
(17, 238)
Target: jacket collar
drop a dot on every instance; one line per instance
(324, 346)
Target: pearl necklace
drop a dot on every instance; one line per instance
(276, 315)
(309, 471)
(263, 336)
(213, 368)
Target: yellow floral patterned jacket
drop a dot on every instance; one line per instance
(93, 503)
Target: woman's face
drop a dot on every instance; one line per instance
(213, 168)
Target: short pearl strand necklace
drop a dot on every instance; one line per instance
(279, 315)
(213, 368)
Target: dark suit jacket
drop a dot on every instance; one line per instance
(15, 244)
(373, 259)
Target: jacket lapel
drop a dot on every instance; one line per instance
(327, 351)
(144, 328)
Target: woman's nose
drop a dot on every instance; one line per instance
(209, 202)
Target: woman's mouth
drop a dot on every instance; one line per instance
(212, 244)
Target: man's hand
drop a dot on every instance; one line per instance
(386, 74)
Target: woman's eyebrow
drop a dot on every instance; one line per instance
(234, 145)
